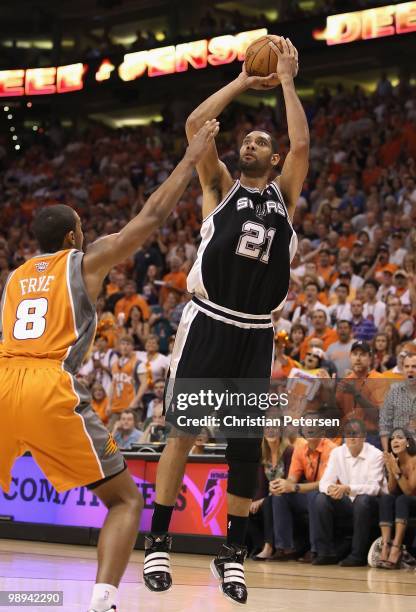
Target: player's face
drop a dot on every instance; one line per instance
(256, 154)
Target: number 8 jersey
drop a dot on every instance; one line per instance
(248, 243)
(46, 312)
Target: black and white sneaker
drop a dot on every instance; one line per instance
(228, 568)
(113, 608)
(157, 576)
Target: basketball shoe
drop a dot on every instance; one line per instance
(157, 576)
(228, 568)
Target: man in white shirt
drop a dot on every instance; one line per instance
(373, 309)
(349, 490)
(339, 352)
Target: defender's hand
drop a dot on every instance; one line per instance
(199, 143)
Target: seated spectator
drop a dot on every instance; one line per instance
(275, 462)
(383, 359)
(349, 488)
(160, 322)
(125, 431)
(362, 328)
(99, 401)
(151, 288)
(320, 330)
(157, 400)
(297, 336)
(294, 495)
(201, 440)
(131, 298)
(399, 407)
(400, 503)
(303, 313)
(339, 352)
(137, 328)
(402, 320)
(155, 428)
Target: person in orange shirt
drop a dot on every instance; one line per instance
(116, 282)
(321, 330)
(131, 298)
(356, 397)
(100, 401)
(282, 363)
(347, 237)
(175, 280)
(123, 388)
(324, 268)
(295, 495)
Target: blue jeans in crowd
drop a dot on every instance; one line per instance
(397, 508)
(285, 508)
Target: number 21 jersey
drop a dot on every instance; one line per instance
(46, 312)
(248, 243)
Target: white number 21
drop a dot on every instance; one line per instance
(252, 241)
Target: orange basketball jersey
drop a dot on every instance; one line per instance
(123, 383)
(46, 312)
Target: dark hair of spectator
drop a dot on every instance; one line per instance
(51, 225)
(314, 283)
(372, 282)
(411, 450)
(343, 286)
(344, 321)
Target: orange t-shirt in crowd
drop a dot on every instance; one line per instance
(328, 337)
(177, 280)
(347, 241)
(327, 274)
(100, 408)
(280, 371)
(123, 390)
(310, 464)
(370, 176)
(111, 288)
(390, 151)
(126, 304)
(374, 391)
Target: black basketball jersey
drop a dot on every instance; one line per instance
(248, 243)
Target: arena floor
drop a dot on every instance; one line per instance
(273, 586)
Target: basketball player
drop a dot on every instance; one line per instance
(48, 323)
(240, 276)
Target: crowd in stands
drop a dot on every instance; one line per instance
(348, 322)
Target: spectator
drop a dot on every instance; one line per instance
(320, 330)
(402, 321)
(342, 309)
(175, 280)
(125, 431)
(399, 408)
(201, 441)
(349, 488)
(157, 400)
(362, 329)
(98, 367)
(123, 380)
(360, 395)
(297, 336)
(339, 352)
(155, 428)
(137, 328)
(282, 363)
(131, 298)
(99, 401)
(295, 495)
(276, 456)
(303, 313)
(399, 504)
(153, 365)
(383, 359)
(373, 308)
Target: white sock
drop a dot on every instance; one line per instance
(103, 597)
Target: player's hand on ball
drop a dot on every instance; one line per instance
(202, 139)
(288, 62)
(257, 82)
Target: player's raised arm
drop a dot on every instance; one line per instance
(295, 168)
(213, 173)
(106, 252)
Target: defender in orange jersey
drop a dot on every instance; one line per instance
(48, 323)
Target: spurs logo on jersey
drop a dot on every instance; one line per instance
(248, 243)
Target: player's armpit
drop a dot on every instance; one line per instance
(293, 175)
(215, 189)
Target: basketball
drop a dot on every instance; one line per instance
(261, 58)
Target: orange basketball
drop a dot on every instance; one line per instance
(261, 58)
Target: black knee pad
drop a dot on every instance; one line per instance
(243, 458)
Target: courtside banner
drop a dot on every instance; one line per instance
(199, 510)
